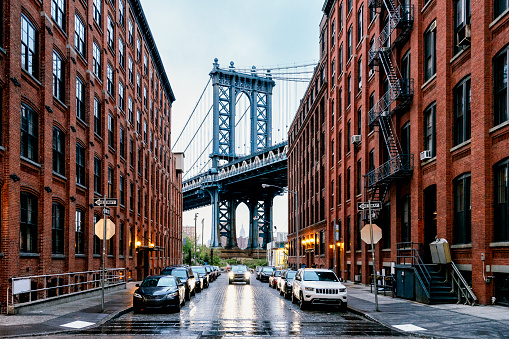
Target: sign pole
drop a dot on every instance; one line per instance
(373, 254)
(104, 258)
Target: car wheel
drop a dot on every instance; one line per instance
(281, 292)
(230, 282)
(343, 307)
(248, 282)
(294, 300)
(177, 307)
(136, 309)
(303, 304)
(188, 295)
(286, 295)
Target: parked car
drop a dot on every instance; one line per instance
(239, 273)
(266, 272)
(203, 274)
(285, 283)
(257, 272)
(212, 272)
(159, 291)
(274, 278)
(186, 275)
(199, 282)
(218, 271)
(313, 286)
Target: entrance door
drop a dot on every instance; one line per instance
(430, 220)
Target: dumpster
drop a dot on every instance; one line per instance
(440, 252)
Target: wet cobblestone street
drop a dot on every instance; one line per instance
(244, 311)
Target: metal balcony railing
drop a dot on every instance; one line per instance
(404, 95)
(400, 166)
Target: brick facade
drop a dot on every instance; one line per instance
(432, 180)
(159, 223)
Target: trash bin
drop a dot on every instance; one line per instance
(440, 252)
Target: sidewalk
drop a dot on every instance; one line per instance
(437, 321)
(68, 316)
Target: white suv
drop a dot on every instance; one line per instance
(318, 287)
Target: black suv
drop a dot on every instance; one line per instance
(186, 275)
(239, 273)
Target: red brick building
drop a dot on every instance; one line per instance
(85, 112)
(414, 114)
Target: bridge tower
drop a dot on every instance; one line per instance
(227, 85)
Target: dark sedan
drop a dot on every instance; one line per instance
(202, 274)
(239, 273)
(158, 291)
(266, 272)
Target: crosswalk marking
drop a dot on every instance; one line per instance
(78, 324)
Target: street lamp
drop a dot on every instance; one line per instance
(195, 217)
(296, 214)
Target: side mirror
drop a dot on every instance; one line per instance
(137, 285)
(181, 284)
(341, 280)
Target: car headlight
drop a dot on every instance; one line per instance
(230, 275)
(171, 295)
(247, 275)
(137, 295)
(342, 289)
(309, 289)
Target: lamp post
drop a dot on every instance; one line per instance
(296, 214)
(195, 217)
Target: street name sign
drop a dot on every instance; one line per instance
(112, 202)
(106, 211)
(374, 205)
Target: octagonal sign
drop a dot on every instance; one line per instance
(99, 229)
(377, 234)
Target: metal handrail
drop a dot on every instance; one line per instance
(419, 267)
(462, 286)
(402, 162)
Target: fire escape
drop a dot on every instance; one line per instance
(397, 97)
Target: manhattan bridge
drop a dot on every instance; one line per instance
(235, 141)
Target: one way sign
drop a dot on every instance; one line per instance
(374, 205)
(112, 202)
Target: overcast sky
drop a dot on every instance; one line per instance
(191, 33)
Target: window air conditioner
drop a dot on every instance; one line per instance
(357, 278)
(425, 155)
(356, 139)
(463, 36)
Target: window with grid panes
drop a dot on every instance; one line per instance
(461, 20)
(121, 52)
(79, 232)
(130, 32)
(80, 164)
(97, 116)
(58, 151)
(58, 77)
(130, 71)
(333, 72)
(121, 12)
(111, 183)
(96, 60)
(130, 110)
(97, 242)
(97, 175)
(29, 133)
(79, 35)
(359, 75)
(131, 196)
(462, 210)
(111, 131)
(122, 190)
(28, 223)
(349, 87)
(430, 51)
(461, 99)
(80, 99)
(349, 44)
(429, 129)
(360, 23)
(131, 152)
(501, 206)
(122, 142)
(29, 47)
(500, 92)
(121, 99)
(110, 34)
(57, 229)
(110, 81)
(97, 11)
(58, 13)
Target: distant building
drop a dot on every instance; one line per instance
(242, 239)
(188, 231)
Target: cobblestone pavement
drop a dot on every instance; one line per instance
(243, 311)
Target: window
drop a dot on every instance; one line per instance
(79, 246)
(461, 95)
(359, 121)
(500, 93)
(138, 85)
(111, 182)
(121, 13)
(340, 66)
(339, 190)
(29, 47)
(348, 234)
(349, 87)
(140, 160)
(97, 241)
(499, 7)
(58, 77)
(501, 213)
(97, 116)
(80, 164)
(138, 49)
(405, 219)
(358, 245)
(138, 122)
(122, 142)
(145, 98)
(97, 175)
(97, 12)
(349, 41)
(372, 13)
(58, 151)
(131, 74)
(131, 241)
(359, 75)
(79, 35)
(130, 110)
(96, 60)
(348, 183)
(340, 17)
(430, 51)
(340, 150)
(110, 76)
(371, 103)
(405, 67)
(462, 210)
(130, 31)
(28, 223)
(57, 229)
(58, 13)
(29, 133)
(359, 177)
(131, 152)
(333, 72)
(131, 196)
(371, 160)
(121, 239)
(145, 136)
(360, 23)
(461, 19)
(80, 99)
(386, 225)
(111, 132)
(121, 52)
(340, 103)
(405, 138)
(122, 190)
(349, 6)
(145, 64)
(121, 100)
(110, 34)
(371, 71)
(333, 32)
(348, 136)
(429, 130)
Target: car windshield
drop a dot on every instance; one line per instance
(277, 273)
(290, 275)
(181, 273)
(269, 269)
(319, 276)
(199, 269)
(159, 282)
(239, 269)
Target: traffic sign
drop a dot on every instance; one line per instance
(106, 211)
(99, 229)
(112, 202)
(374, 205)
(365, 234)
